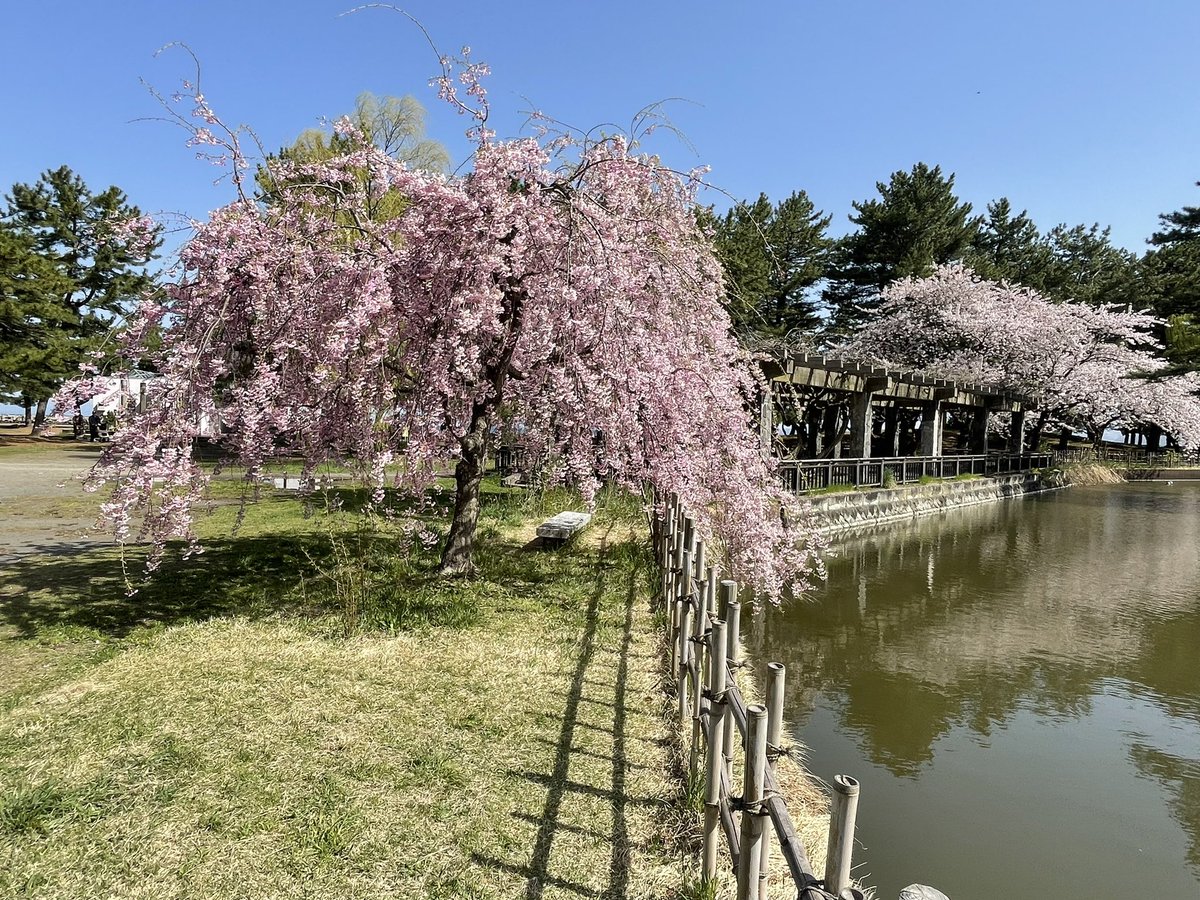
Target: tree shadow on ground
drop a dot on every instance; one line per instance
(87, 588)
(372, 580)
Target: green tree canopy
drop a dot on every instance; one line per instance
(916, 224)
(69, 267)
(396, 125)
(1067, 264)
(1086, 267)
(1009, 247)
(772, 256)
(1171, 283)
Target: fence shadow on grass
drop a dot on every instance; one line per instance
(580, 773)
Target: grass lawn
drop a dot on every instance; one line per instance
(270, 719)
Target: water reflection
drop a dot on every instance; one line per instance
(952, 627)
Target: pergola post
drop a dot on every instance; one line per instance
(766, 419)
(932, 418)
(862, 417)
(830, 445)
(1016, 432)
(891, 431)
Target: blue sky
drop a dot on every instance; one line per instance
(1077, 111)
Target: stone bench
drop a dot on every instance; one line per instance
(559, 529)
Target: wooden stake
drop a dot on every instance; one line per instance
(683, 590)
(683, 644)
(668, 557)
(715, 762)
(699, 644)
(775, 676)
(841, 833)
(753, 814)
(733, 617)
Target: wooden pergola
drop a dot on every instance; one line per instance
(828, 396)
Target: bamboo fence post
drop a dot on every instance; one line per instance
(841, 833)
(733, 616)
(753, 818)
(668, 546)
(673, 597)
(679, 601)
(775, 681)
(683, 639)
(715, 761)
(668, 558)
(699, 645)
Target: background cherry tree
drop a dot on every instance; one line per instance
(562, 285)
(1080, 363)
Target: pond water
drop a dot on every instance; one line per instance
(1017, 688)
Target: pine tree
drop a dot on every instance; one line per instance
(1009, 248)
(1085, 267)
(916, 224)
(772, 256)
(69, 270)
(1170, 280)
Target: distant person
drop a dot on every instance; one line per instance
(94, 426)
(78, 424)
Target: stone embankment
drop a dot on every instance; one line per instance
(856, 509)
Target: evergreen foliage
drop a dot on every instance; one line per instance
(1085, 267)
(916, 224)
(772, 256)
(1067, 264)
(1009, 247)
(71, 262)
(1171, 283)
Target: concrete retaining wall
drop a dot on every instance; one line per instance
(856, 509)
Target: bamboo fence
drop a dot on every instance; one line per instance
(703, 615)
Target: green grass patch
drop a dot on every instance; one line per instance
(830, 489)
(306, 710)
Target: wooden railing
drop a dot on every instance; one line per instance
(813, 474)
(704, 620)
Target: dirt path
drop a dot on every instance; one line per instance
(42, 508)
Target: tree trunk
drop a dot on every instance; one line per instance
(468, 475)
(39, 418)
(468, 471)
(1035, 439)
(28, 411)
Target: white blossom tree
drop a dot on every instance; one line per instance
(1085, 366)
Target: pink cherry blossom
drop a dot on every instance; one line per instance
(1079, 363)
(561, 289)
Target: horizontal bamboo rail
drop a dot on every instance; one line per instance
(704, 653)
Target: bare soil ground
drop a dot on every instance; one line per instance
(42, 505)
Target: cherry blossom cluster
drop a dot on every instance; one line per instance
(566, 295)
(1083, 365)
